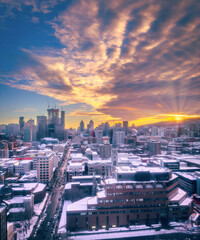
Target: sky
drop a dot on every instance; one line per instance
(135, 60)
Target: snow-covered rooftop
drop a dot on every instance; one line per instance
(80, 205)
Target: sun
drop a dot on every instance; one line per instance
(179, 117)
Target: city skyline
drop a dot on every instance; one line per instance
(105, 61)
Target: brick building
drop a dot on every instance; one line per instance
(134, 196)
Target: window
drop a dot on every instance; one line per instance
(129, 186)
(140, 199)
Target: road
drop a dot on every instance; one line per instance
(48, 225)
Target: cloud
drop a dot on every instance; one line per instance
(126, 59)
(35, 20)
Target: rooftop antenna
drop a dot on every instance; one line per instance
(48, 102)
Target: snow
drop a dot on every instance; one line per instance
(39, 206)
(101, 194)
(180, 194)
(159, 186)
(40, 187)
(80, 205)
(186, 202)
(110, 181)
(68, 186)
(92, 201)
(63, 218)
(30, 185)
(37, 209)
(15, 200)
(16, 210)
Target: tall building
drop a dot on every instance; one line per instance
(56, 125)
(81, 126)
(63, 119)
(106, 129)
(53, 120)
(30, 131)
(154, 148)
(125, 126)
(53, 116)
(42, 127)
(44, 167)
(99, 136)
(90, 126)
(105, 151)
(21, 122)
(118, 137)
(3, 223)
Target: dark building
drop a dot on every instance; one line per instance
(3, 223)
(56, 125)
(53, 120)
(106, 129)
(81, 126)
(42, 127)
(21, 122)
(125, 126)
(105, 151)
(63, 119)
(174, 165)
(187, 182)
(135, 196)
(154, 148)
(21, 125)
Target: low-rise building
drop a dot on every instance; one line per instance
(135, 196)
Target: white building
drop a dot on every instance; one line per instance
(22, 167)
(45, 167)
(118, 137)
(99, 136)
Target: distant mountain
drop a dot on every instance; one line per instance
(172, 123)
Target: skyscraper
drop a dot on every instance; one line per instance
(63, 119)
(90, 126)
(21, 125)
(125, 126)
(105, 151)
(81, 126)
(21, 122)
(106, 129)
(42, 127)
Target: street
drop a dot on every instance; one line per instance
(47, 226)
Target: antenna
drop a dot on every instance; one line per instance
(48, 102)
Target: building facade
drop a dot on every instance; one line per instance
(45, 167)
(135, 196)
(3, 223)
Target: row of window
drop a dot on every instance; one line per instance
(116, 212)
(133, 200)
(134, 193)
(139, 186)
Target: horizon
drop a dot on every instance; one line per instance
(172, 118)
(107, 61)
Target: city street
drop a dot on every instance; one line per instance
(47, 228)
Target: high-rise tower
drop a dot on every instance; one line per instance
(63, 119)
